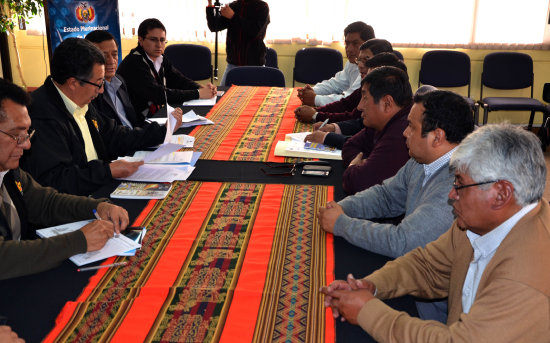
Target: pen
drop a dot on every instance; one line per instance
(102, 266)
(324, 123)
(96, 215)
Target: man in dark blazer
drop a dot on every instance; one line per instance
(75, 146)
(114, 103)
(23, 202)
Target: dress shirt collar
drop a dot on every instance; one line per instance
(487, 244)
(73, 108)
(2, 174)
(430, 169)
(157, 62)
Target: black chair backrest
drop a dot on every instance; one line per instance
(271, 58)
(507, 70)
(255, 76)
(313, 65)
(445, 68)
(193, 61)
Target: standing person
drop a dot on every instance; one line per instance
(246, 23)
(151, 78)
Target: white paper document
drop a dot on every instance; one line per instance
(170, 124)
(185, 141)
(160, 173)
(171, 158)
(297, 136)
(113, 247)
(192, 119)
(201, 102)
(162, 150)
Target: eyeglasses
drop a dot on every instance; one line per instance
(20, 140)
(290, 172)
(93, 84)
(157, 40)
(458, 187)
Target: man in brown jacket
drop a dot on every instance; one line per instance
(23, 202)
(490, 264)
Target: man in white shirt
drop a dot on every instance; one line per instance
(345, 81)
(488, 263)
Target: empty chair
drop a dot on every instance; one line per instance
(255, 76)
(509, 71)
(312, 65)
(193, 61)
(447, 68)
(271, 58)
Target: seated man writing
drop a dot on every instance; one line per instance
(25, 202)
(488, 263)
(152, 80)
(345, 81)
(437, 123)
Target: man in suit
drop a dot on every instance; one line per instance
(152, 80)
(23, 202)
(114, 103)
(489, 263)
(75, 146)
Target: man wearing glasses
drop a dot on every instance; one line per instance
(490, 263)
(74, 145)
(437, 123)
(23, 202)
(152, 80)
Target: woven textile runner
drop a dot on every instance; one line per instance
(228, 262)
(248, 122)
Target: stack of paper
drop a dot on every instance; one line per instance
(192, 119)
(141, 190)
(113, 247)
(306, 150)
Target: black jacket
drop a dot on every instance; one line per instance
(245, 31)
(147, 88)
(57, 157)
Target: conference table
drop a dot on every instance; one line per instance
(231, 255)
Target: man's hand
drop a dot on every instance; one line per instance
(8, 336)
(358, 160)
(326, 128)
(227, 12)
(116, 214)
(316, 137)
(121, 168)
(178, 114)
(327, 291)
(348, 303)
(307, 96)
(207, 91)
(328, 215)
(97, 233)
(304, 113)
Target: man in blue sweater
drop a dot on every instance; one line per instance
(437, 123)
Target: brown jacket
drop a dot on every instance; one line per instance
(513, 298)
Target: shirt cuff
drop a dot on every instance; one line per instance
(314, 117)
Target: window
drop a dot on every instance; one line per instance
(421, 23)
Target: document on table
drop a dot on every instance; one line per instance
(192, 119)
(297, 136)
(161, 151)
(176, 157)
(113, 247)
(201, 102)
(160, 173)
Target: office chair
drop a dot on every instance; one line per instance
(255, 76)
(447, 68)
(193, 61)
(312, 65)
(510, 71)
(271, 58)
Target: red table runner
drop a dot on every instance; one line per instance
(248, 122)
(221, 262)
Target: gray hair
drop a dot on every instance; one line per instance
(504, 152)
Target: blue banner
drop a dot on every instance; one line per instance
(77, 18)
